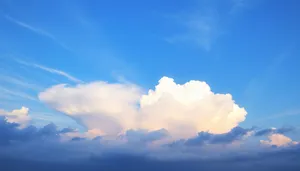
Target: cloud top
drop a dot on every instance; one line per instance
(186, 109)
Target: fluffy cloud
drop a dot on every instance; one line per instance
(187, 109)
(183, 110)
(19, 116)
(278, 140)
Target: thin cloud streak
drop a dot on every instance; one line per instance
(54, 71)
(17, 94)
(51, 70)
(281, 115)
(19, 82)
(37, 31)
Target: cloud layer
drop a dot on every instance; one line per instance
(34, 148)
(112, 108)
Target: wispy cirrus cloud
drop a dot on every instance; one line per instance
(36, 30)
(19, 82)
(206, 24)
(238, 5)
(50, 70)
(17, 94)
(288, 113)
(201, 27)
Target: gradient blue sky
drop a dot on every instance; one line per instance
(248, 48)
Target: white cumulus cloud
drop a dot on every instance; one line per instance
(183, 110)
(189, 108)
(278, 140)
(19, 116)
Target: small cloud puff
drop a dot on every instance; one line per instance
(278, 140)
(19, 116)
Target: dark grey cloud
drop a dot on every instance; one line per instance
(10, 133)
(78, 139)
(269, 131)
(38, 149)
(145, 136)
(67, 130)
(207, 138)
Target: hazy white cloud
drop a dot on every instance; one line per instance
(98, 105)
(19, 116)
(238, 5)
(51, 70)
(183, 110)
(278, 140)
(202, 29)
(203, 23)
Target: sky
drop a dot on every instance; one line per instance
(195, 82)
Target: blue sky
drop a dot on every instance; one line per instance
(249, 49)
(146, 85)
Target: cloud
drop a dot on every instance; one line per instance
(279, 140)
(202, 29)
(58, 72)
(11, 132)
(189, 108)
(44, 146)
(19, 82)
(238, 5)
(203, 23)
(144, 136)
(78, 139)
(19, 116)
(274, 131)
(17, 94)
(109, 108)
(183, 110)
(36, 30)
(32, 149)
(287, 113)
(203, 138)
(51, 70)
